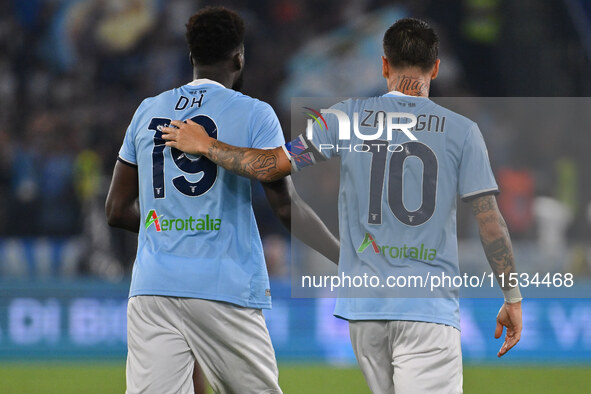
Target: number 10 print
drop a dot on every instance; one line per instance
(378, 149)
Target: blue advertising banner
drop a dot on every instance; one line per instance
(41, 320)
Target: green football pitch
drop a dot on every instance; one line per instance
(89, 378)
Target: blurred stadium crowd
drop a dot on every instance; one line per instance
(74, 71)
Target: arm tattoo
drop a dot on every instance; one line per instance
(495, 237)
(483, 204)
(500, 258)
(251, 163)
(263, 163)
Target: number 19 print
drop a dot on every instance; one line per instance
(183, 163)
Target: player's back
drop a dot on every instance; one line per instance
(398, 204)
(199, 236)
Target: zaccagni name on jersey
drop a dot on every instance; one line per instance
(425, 122)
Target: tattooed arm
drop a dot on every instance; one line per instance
(268, 166)
(499, 252)
(265, 165)
(495, 237)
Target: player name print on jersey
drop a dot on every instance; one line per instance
(425, 122)
(185, 102)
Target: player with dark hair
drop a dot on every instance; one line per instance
(411, 43)
(402, 344)
(199, 278)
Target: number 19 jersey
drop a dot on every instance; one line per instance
(198, 237)
(397, 204)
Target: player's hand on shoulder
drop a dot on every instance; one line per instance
(510, 317)
(189, 137)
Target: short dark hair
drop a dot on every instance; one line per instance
(213, 34)
(411, 43)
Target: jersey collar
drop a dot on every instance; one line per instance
(396, 93)
(400, 94)
(204, 81)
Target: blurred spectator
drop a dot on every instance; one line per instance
(553, 218)
(276, 250)
(516, 199)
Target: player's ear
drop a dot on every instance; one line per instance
(238, 59)
(191, 59)
(385, 67)
(435, 71)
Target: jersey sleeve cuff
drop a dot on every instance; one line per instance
(479, 193)
(126, 162)
(286, 152)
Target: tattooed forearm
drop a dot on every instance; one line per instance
(252, 163)
(500, 257)
(495, 237)
(483, 204)
(263, 164)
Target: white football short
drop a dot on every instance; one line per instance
(408, 357)
(165, 335)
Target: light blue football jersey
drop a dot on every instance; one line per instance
(397, 202)
(198, 236)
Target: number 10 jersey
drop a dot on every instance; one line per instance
(397, 203)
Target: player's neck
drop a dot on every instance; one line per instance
(412, 84)
(221, 76)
